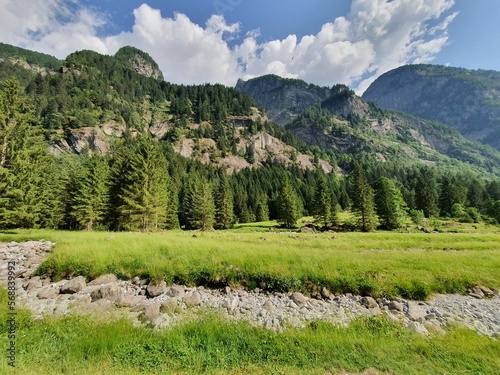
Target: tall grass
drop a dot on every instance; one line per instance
(80, 345)
(378, 264)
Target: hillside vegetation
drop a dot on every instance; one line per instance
(468, 100)
(129, 151)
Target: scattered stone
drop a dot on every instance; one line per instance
(369, 302)
(109, 291)
(192, 299)
(33, 283)
(73, 286)
(298, 298)
(395, 305)
(306, 230)
(150, 312)
(176, 291)
(415, 312)
(48, 293)
(155, 289)
(104, 279)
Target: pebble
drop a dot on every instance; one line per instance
(161, 306)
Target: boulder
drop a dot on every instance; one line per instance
(415, 312)
(395, 305)
(155, 289)
(73, 286)
(369, 302)
(109, 291)
(192, 299)
(150, 312)
(298, 298)
(176, 291)
(104, 279)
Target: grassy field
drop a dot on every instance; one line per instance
(412, 265)
(79, 345)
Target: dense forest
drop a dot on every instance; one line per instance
(143, 184)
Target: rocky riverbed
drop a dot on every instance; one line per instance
(161, 305)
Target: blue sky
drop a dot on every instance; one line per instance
(321, 41)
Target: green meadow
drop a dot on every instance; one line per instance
(413, 265)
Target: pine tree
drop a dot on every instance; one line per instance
(91, 195)
(362, 200)
(200, 205)
(322, 209)
(224, 217)
(142, 187)
(389, 203)
(288, 210)
(26, 167)
(426, 195)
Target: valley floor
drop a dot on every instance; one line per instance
(166, 308)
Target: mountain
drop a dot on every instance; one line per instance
(468, 100)
(140, 61)
(283, 99)
(344, 123)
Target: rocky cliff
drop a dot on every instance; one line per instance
(464, 99)
(283, 98)
(140, 61)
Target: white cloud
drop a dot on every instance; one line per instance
(374, 37)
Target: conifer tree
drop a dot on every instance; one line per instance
(91, 195)
(143, 187)
(362, 200)
(224, 216)
(322, 202)
(200, 205)
(26, 167)
(426, 195)
(288, 208)
(389, 203)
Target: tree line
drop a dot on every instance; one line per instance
(143, 185)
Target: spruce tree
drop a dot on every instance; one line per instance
(288, 209)
(426, 195)
(322, 209)
(362, 200)
(26, 168)
(91, 195)
(200, 205)
(389, 203)
(143, 186)
(224, 216)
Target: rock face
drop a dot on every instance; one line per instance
(464, 99)
(140, 61)
(283, 98)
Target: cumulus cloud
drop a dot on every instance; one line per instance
(374, 37)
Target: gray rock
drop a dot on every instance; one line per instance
(394, 305)
(48, 293)
(104, 279)
(369, 302)
(155, 289)
(298, 298)
(415, 312)
(192, 299)
(176, 291)
(33, 283)
(73, 286)
(109, 291)
(325, 293)
(150, 312)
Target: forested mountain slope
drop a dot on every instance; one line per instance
(129, 151)
(468, 100)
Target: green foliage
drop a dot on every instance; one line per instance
(362, 197)
(26, 168)
(224, 216)
(90, 198)
(389, 204)
(288, 205)
(140, 183)
(200, 205)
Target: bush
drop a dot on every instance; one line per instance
(417, 216)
